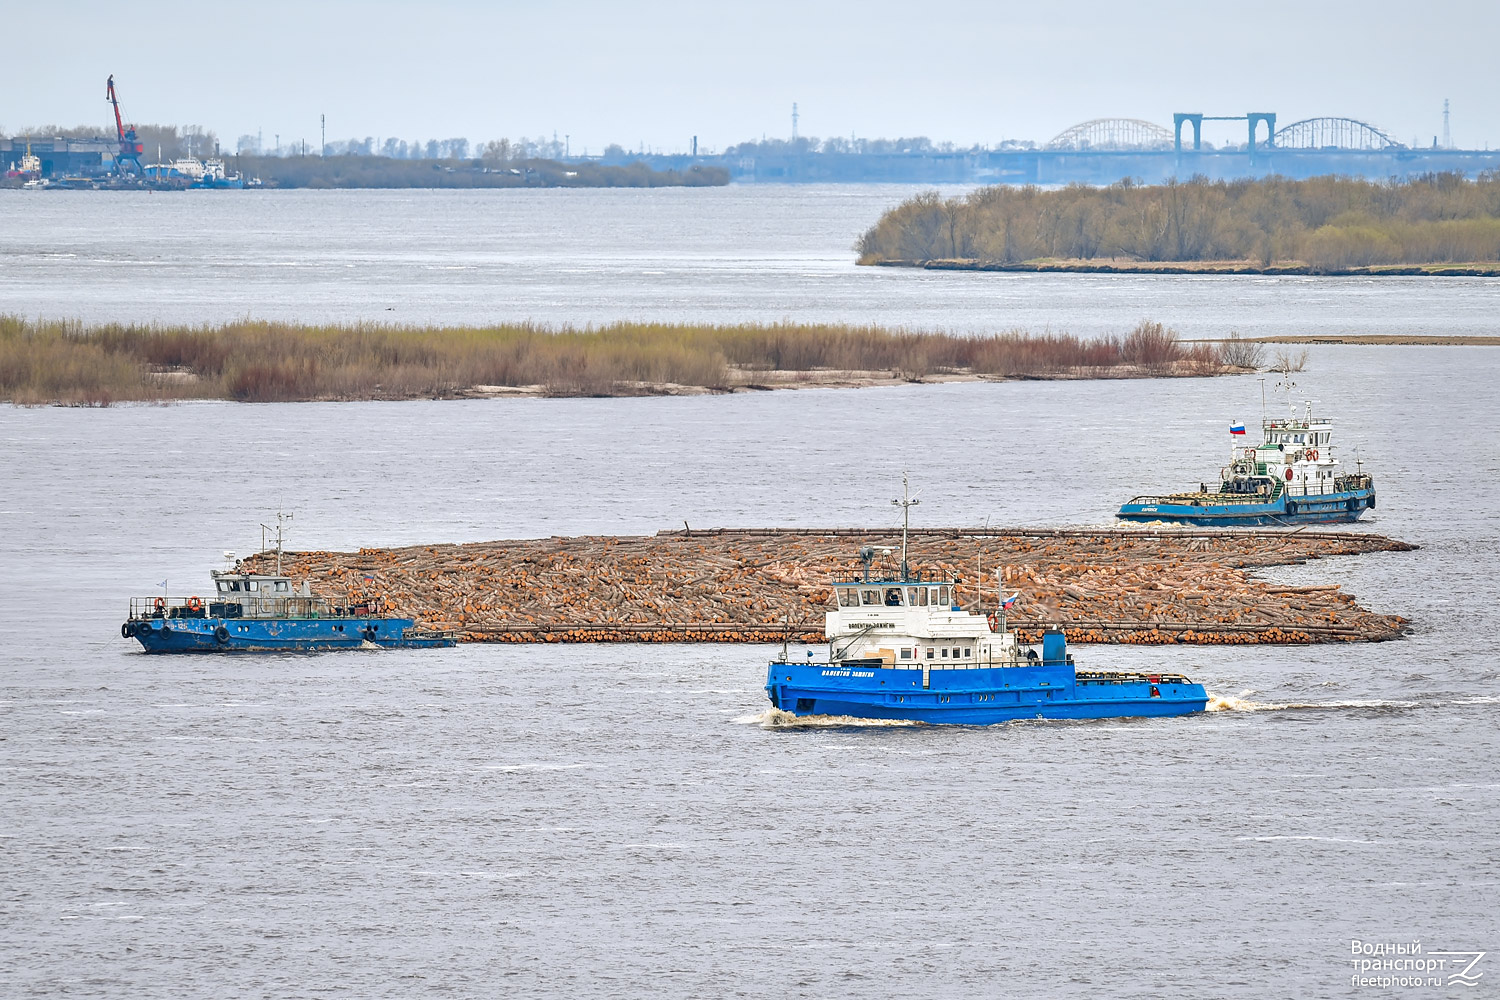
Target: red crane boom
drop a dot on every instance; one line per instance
(130, 147)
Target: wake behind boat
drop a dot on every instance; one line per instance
(1291, 477)
(901, 647)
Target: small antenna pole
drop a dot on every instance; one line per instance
(906, 503)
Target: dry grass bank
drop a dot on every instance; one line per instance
(70, 363)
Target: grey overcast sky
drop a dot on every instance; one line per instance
(659, 73)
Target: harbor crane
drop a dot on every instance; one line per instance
(130, 146)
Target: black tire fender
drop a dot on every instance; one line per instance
(221, 635)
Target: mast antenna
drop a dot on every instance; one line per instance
(906, 503)
(280, 520)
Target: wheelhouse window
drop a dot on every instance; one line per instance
(911, 597)
(252, 584)
(945, 652)
(931, 652)
(281, 586)
(943, 596)
(922, 596)
(893, 597)
(906, 654)
(848, 597)
(870, 597)
(968, 651)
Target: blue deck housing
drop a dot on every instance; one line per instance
(982, 696)
(1329, 508)
(259, 635)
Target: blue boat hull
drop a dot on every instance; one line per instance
(976, 697)
(263, 635)
(1326, 508)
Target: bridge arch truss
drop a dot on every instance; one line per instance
(1112, 135)
(1333, 133)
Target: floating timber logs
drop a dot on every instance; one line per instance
(753, 585)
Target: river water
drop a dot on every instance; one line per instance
(553, 820)
(726, 255)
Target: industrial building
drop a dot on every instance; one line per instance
(61, 157)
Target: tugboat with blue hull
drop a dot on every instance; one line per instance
(1290, 478)
(264, 612)
(902, 648)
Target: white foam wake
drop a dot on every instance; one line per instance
(775, 718)
(1243, 703)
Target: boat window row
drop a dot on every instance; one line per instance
(895, 597)
(1315, 439)
(240, 586)
(939, 652)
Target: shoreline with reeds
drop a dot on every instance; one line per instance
(69, 363)
(1200, 268)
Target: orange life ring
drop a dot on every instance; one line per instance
(1288, 475)
(194, 604)
(1312, 454)
(159, 603)
(993, 620)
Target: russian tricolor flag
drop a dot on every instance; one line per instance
(1236, 428)
(1010, 600)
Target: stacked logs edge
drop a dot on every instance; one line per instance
(769, 585)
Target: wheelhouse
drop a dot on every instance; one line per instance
(896, 594)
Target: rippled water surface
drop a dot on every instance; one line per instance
(614, 820)
(729, 255)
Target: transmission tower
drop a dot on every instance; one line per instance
(1447, 136)
(794, 120)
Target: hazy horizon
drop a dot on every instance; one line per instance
(655, 75)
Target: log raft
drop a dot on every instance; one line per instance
(763, 585)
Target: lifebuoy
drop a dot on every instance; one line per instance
(1288, 475)
(1249, 452)
(159, 603)
(994, 621)
(1312, 454)
(194, 604)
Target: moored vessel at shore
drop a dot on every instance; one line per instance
(1291, 477)
(902, 647)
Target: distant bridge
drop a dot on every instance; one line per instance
(1112, 135)
(1134, 135)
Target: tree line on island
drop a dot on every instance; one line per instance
(1325, 223)
(45, 362)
